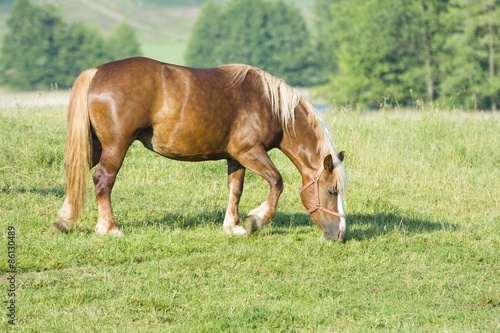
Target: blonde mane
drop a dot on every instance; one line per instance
(284, 99)
(325, 146)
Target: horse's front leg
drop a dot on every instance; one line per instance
(261, 215)
(235, 179)
(259, 162)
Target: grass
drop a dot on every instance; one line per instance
(421, 253)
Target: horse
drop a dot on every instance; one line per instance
(234, 112)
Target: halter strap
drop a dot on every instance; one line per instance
(315, 182)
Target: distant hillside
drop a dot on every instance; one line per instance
(163, 26)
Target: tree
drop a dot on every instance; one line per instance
(33, 41)
(471, 75)
(269, 35)
(40, 50)
(326, 48)
(243, 23)
(287, 45)
(386, 51)
(83, 48)
(123, 43)
(86, 47)
(205, 36)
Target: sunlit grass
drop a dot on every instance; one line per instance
(421, 253)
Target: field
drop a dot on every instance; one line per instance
(422, 250)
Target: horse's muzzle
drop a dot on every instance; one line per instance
(333, 234)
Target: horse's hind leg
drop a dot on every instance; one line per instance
(235, 178)
(104, 179)
(64, 221)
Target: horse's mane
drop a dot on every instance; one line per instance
(284, 99)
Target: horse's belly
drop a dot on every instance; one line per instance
(185, 145)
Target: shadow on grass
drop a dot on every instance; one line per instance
(368, 226)
(359, 226)
(54, 191)
(183, 220)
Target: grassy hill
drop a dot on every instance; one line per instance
(163, 27)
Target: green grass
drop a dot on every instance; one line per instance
(421, 253)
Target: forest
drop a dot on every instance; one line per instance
(355, 53)
(391, 52)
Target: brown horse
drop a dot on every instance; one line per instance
(233, 112)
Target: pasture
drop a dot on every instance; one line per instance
(422, 249)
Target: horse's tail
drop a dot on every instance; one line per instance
(78, 148)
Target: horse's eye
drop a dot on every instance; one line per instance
(333, 192)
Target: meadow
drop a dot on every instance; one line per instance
(421, 254)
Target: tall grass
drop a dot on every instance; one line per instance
(421, 253)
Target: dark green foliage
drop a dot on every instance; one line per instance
(472, 73)
(41, 51)
(32, 44)
(205, 34)
(123, 42)
(402, 53)
(386, 52)
(83, 48)
(323, 17)
(269, 35)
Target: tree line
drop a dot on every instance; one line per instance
(393, 52)
(41, 50)
(268, 34)
(369, 53)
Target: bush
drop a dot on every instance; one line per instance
(41, 51)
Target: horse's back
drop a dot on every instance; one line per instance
(179, 112)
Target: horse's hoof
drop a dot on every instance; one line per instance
(61, 225)
(101, 230)
(238, 230)
(235, 230)
(253, 224)
(116, 233)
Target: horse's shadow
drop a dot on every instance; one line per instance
(359, 226)
(367, 226)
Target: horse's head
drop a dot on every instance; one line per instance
(323, 197)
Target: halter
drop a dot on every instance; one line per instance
(318, 206)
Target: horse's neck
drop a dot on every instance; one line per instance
(300, 145)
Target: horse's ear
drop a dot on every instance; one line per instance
(328, 163)
(341, 156)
